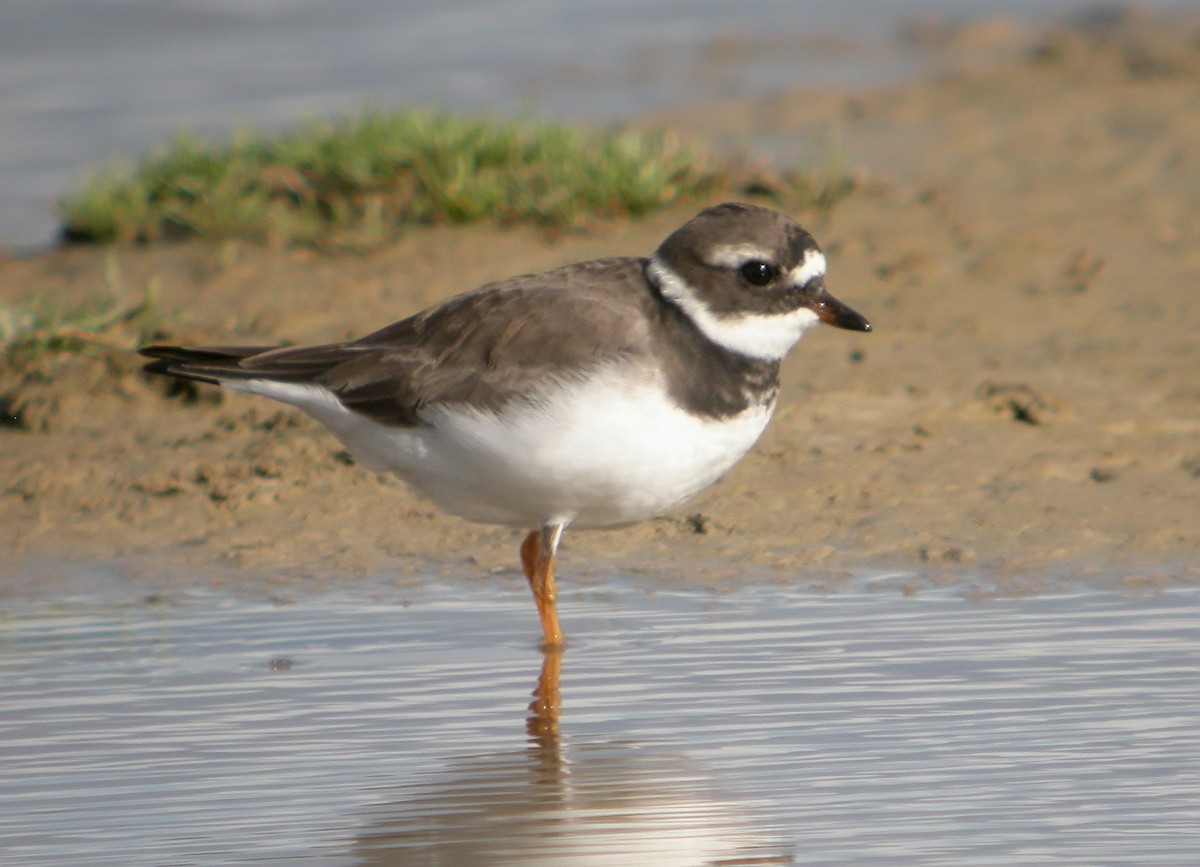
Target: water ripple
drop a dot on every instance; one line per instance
(771, 723)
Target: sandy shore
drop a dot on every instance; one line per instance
(1026, 244)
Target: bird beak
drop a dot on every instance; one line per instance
(833, 312)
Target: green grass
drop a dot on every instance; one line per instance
(26, 332)
(104, 323)
(359, 181)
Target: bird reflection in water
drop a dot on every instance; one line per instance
(542, 724)
(556, 801)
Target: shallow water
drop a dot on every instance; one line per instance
(771, 723)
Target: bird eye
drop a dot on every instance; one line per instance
(758, 272)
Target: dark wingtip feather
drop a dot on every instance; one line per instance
(165, 367)
(159, 350)
(204, 364)
(203, 354)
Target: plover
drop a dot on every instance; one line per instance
(598, 394)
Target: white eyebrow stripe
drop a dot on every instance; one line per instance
(810, 269)
(736, 255)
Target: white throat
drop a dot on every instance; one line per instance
(757, 335)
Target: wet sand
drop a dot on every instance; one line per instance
(1026, 242)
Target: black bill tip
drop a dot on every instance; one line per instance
(833, 312)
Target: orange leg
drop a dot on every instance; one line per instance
(537, 558)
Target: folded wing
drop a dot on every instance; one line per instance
(487, 348)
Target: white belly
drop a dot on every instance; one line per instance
(610, 452)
